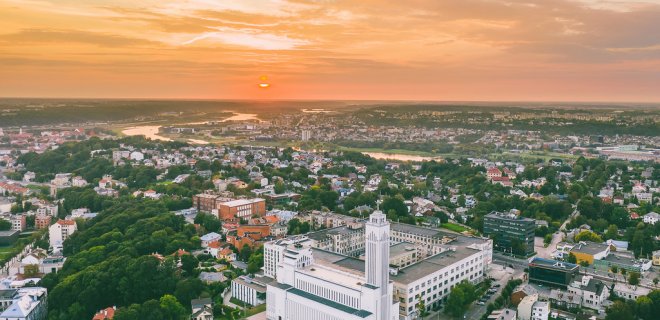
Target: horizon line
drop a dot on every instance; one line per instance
(336, 100)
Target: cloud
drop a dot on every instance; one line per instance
(31, 36)
(249, 38)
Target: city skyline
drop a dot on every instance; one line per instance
(572, 50)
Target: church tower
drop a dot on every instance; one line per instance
(377, 258)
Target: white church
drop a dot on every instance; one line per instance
(309, 289)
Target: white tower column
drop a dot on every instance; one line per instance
(377, 258)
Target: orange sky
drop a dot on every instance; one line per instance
(570, 50)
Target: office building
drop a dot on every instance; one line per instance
(551, 272)
(510, 233)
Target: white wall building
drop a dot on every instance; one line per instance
(651, 218)
(530, 308)
(27, 304)
(250, 290)
(309, 289)
(60, 231)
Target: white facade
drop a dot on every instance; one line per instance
(307, 289)
(651, 218)
(27, 304)
(60, 231)
(627, 291)
(430, 281)
(530, 308)
(248, 290)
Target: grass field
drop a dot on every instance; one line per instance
(4, 251)
(454, 227)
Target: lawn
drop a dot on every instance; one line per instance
(258, 309)
(4, 251)
(454, 227)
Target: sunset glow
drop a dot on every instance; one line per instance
(345, 49)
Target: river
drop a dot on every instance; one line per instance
(151, 132)
(400, 156)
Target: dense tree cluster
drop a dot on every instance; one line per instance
(645, 308)
(111, 262)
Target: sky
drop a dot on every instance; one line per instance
(469, 50)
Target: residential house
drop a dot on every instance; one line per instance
(202, 309)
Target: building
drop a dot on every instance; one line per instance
(656, 258)
(430, 280)
(241, 209)
(651, 218)
(250, 290)
(18, 222)
(432, 241)
(531, 308)
(510, 233)
(347, 240)
(592, 292)
(60, 231)
(306, 135)
(105, 314)
(627, 291)
(502, 314)
(27, 304)
(274, 252)
(209, 237)
(202, 309)
(42, 221)
(206, 202)
(403, 254)
(311, 287)
(551, 272)
(589, 251)
(8, 237)
(623, 260)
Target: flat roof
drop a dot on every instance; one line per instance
(590, 247)
(401, 248)
(432, 264)
(553, 264)
(240, 202)
(330, 303)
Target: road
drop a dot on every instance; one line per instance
(573, 215)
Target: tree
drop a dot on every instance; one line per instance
(612, 232)
(655, 281)
(245, 253)
(396, 204)
(633, 278)
(421, 308)
(172, 308)
(587, 235)
(5, 225)
(279, 187)
(620, 311)
(31, 271)
(614, 269)
(571, 258)
(584, 263)
(460, 298)
(189, 263)
(645, 308)
(210, 222)
(547, 239)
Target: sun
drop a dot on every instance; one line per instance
(264, 84)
